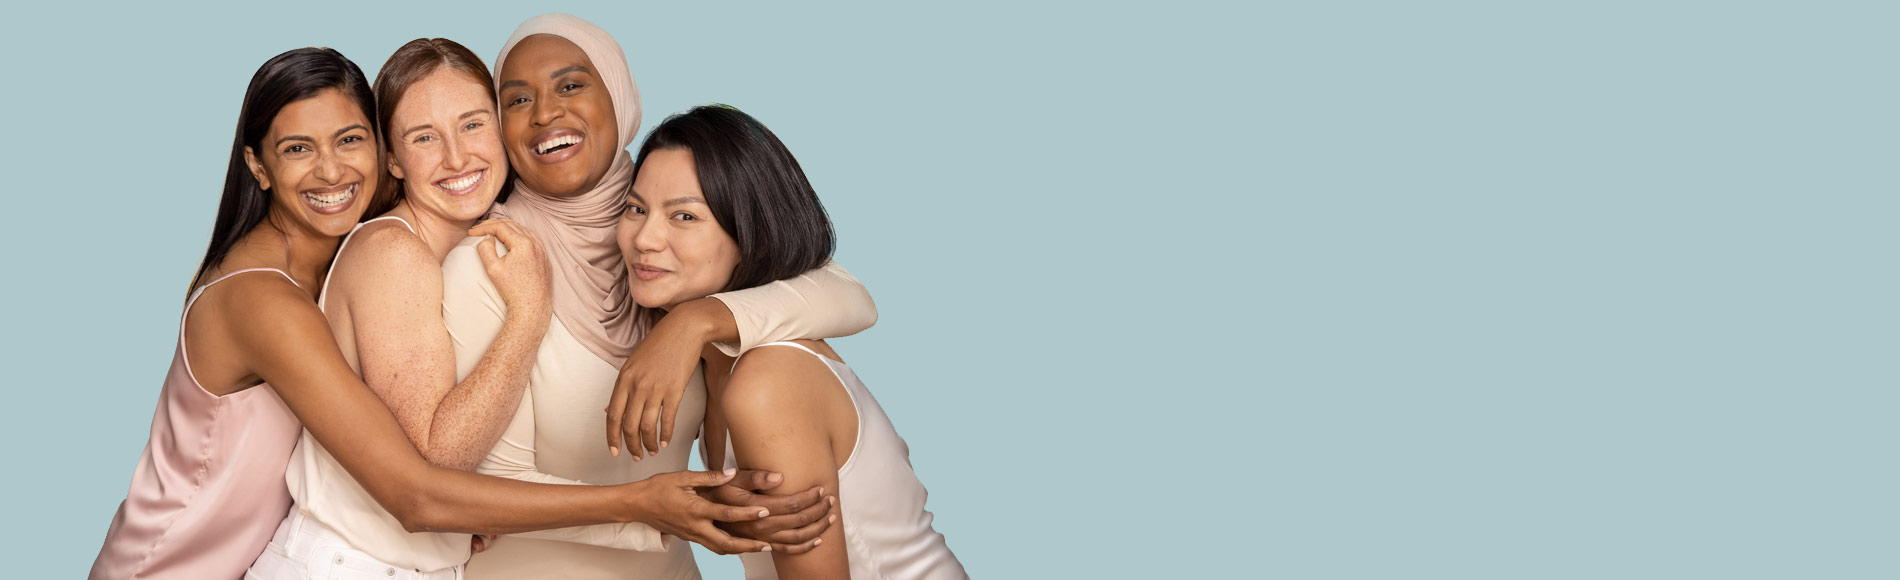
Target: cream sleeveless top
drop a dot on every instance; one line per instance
(209, 489)
(887, 531)
(326, 493)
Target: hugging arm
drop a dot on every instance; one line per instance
(293, 350)
(393, 284)
(826, 302)
(475, 315)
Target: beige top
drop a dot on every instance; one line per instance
(887, 531)
(557, 436)
(326, 493)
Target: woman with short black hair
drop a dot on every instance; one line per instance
(719, 204)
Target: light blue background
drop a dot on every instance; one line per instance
(1367, 290)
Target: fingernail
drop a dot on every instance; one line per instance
(732, 471)
(818, 542)
(763, 513)
(831, 519)
(774, 478)
(662, 444)
(767, 548)
(613, 451)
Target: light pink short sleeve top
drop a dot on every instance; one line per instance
(208, 491)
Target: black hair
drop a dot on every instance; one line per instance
(756, 190)
(284, 79)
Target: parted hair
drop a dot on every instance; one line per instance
(284, 79)
(756, 190)
(409, 65)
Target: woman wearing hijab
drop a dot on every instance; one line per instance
(569, 108)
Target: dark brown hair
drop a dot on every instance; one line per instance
(756, 190)
(409, 65)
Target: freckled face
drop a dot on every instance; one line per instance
(446, 146)
(558, 122)
(317, 161)
(675, 250)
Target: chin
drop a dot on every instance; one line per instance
(651, 302)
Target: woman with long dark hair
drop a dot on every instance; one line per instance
(718, 204)
(255, 358)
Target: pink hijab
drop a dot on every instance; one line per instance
(590, 280)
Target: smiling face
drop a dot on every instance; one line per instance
(557, 119)
(446, 146)
(675, 250)
(318, 161)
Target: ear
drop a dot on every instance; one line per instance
(257, 169)
(394, 169)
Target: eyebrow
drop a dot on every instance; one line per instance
(671, 202)
(429, 126)
(339, 133)
(557, 74)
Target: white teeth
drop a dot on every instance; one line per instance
(331, 200)
(463, 183)
(543, 147)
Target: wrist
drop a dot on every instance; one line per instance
(709, 320)
(634, 507)
(692, 320)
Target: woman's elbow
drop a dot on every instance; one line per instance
(416, 513)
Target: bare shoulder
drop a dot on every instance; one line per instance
(258, 306)
(770, 380)
(386, 248)
(254, 293)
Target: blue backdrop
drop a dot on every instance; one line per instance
(1353, 290)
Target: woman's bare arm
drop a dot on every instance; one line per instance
(392, 283)
(782, 407)
(285, 340)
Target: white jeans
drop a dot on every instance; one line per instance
(303, 548)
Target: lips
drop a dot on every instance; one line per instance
(462, 184)
(557, 145)
(330, 200)
(648, 273)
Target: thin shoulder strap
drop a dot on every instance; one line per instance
(821, 358)
(194, 300)
(405, 223)
(201, 291)
(324, 292)
(793, 345)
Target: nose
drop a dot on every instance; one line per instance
(546, 110)
(329, 167)
(651, 235)
(458, 153)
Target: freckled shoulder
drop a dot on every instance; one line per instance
(387, 256)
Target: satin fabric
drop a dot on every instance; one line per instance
(208, 491)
